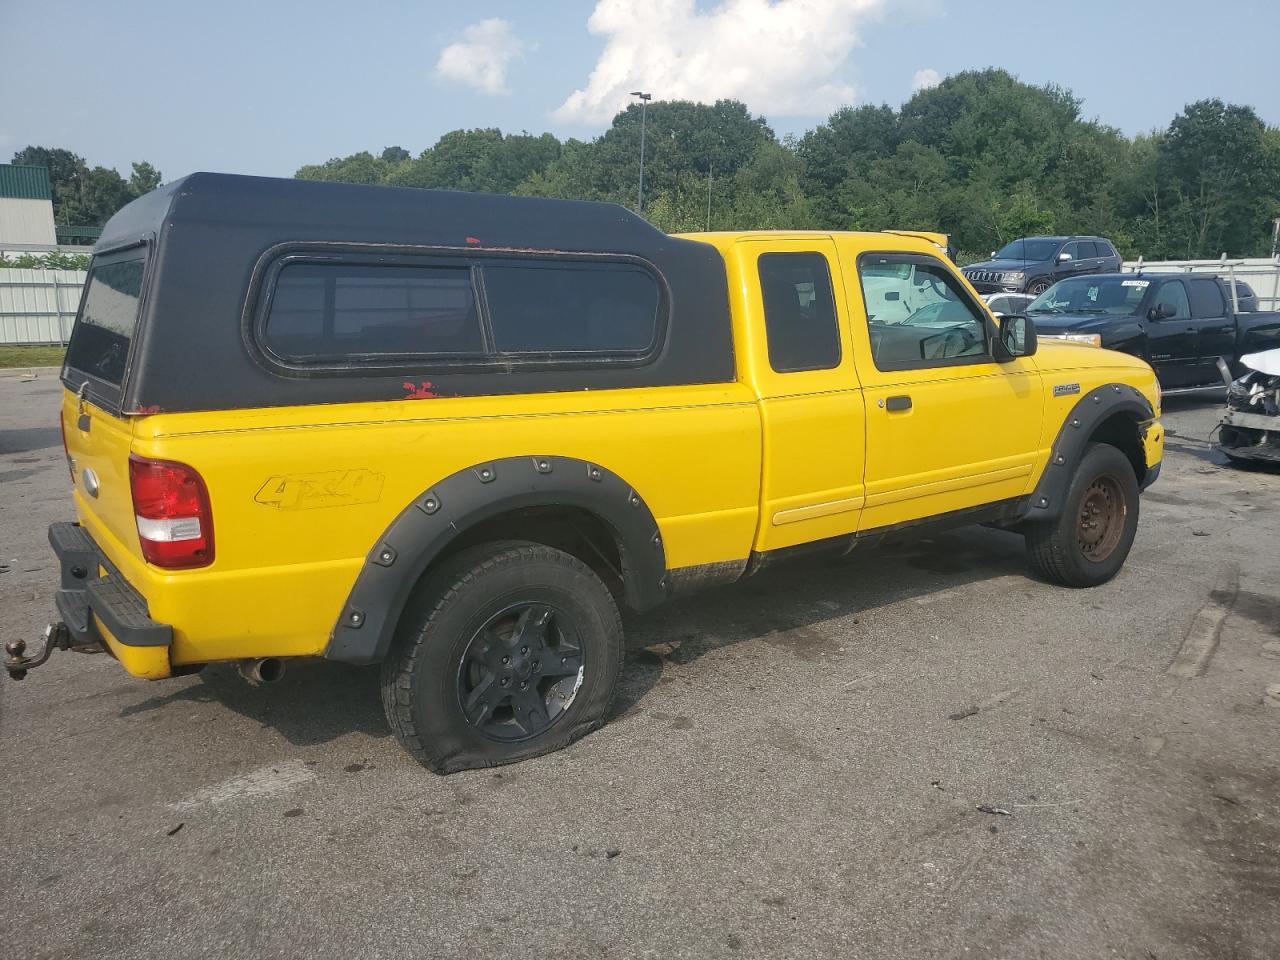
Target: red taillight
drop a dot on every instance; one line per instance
(171, 507)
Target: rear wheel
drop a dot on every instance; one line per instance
(511, 650)
(1089, 541)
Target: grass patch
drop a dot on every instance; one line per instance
(31, 356)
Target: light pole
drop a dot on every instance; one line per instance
(709, 166)
(644, 103)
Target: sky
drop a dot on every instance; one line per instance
(264, 87)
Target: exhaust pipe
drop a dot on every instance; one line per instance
(260, 671)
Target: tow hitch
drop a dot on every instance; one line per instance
(56, 637)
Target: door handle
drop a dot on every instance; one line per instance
(894, 404)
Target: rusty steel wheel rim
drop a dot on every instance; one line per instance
(1100, 524)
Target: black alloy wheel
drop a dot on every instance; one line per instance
(521, 671)
(508, 650)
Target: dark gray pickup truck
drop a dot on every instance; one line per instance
(1184, 325)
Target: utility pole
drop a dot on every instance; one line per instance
(709, 165)
(644, 103)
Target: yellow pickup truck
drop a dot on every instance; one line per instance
(452, 433)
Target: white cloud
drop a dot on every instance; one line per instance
(926, 78)
(784, 57)
(480, 59)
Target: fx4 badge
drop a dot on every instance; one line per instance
(333, 488)
(1065, 389)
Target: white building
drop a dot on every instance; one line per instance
(26, 208)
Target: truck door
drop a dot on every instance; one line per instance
(1171, 339)
(1215, 327)
(948, 428)
(791, 309)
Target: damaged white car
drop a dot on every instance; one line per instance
(1250, 429)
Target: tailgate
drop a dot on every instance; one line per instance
(98, 434)
(98, 446)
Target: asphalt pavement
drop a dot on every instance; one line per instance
(918, 752)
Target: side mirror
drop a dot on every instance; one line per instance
(1017, 337)
(993, 254)
(1064, 257)
(1161, 311)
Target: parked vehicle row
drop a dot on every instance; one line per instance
(1034, 264)
(451, 433)
(1182, 324)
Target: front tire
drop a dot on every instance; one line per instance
(1088, 543)
(511, 650)
(1038, 287)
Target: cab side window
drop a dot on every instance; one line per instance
(799, 312)
(1206, 300)
(1174, 295)
(918, 314)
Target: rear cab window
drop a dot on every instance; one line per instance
(799, 312)
(1206, 300)
(102, 340)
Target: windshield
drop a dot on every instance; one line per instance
(1101, 295)
(1028, 250)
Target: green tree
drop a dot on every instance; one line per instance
(67, 173)
(683, 140)
(1219, 177)
(143, 179)
(82, 195)
(482, 160)
(362, 167)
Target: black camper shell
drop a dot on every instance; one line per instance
(213, 291)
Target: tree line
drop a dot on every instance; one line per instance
(982, 157)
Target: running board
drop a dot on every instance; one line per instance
(1224, 371)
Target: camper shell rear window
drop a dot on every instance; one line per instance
(107, 320)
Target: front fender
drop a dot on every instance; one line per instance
(1091, 411)
(422, 531)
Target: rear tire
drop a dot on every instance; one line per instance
(510, 650)
(1088, 543)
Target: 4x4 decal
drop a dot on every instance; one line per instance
(308, 491)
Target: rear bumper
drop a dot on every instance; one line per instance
(99, 607)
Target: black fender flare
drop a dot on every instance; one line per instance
(1094, 408)
(367, 624)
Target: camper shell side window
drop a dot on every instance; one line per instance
(340, 312)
